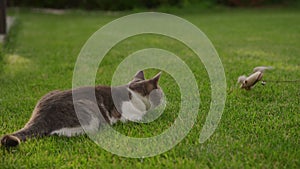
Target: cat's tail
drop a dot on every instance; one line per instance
(12, 140)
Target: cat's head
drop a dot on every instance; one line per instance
(147, 89)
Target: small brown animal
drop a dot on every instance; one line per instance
(249, 82)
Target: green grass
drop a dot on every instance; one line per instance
(258, 129)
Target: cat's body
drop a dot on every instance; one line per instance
(59, 113)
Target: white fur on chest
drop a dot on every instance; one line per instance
(134, 109)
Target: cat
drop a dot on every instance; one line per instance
(55, 114)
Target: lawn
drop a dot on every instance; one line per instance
(258, 129)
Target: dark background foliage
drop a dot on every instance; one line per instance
(131, 4)
(94, 4)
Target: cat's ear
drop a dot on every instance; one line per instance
(155, 79)
(139, 76)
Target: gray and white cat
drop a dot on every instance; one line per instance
(55, 112)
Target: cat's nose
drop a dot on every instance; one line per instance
(156, 97)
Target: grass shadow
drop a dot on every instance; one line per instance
(11, 38)
(1, 58)
(8, 46)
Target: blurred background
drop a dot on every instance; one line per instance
(147, 4)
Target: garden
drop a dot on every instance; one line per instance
(259, 128)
